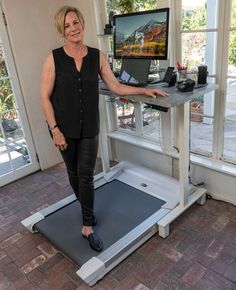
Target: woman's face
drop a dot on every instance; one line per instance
(73, 28)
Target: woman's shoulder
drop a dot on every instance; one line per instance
(58, 50)
(93, 50)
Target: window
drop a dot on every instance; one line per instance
(17, 152)
(13, 148)
(206, 30)
(229, 151)
(198, 47)
(205, 37)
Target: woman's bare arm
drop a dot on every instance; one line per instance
(46, 89)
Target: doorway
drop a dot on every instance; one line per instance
(17, 153)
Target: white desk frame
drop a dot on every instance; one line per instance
(182, 102)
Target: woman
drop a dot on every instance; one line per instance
(69, 100)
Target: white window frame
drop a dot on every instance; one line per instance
(34, 164)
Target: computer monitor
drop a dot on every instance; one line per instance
(142, 34)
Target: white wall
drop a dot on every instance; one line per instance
(219, 185)
(33, 36)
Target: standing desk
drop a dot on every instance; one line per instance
(180, 100)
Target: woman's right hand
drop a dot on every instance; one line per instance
(59, 139)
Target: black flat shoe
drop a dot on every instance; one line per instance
(94, 241)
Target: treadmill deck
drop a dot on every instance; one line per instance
(119, 208)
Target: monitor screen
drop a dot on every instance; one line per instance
(142, 34)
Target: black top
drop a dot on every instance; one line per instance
(75, 96)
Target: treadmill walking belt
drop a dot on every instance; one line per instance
(119, 208)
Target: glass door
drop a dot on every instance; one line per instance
(17, 153)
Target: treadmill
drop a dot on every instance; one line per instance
(128, 207)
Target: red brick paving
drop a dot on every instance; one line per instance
(200, 252)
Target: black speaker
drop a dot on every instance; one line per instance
(202, 74)
(172, 80)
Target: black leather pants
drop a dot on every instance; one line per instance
(80, 159)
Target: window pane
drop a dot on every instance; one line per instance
(125, 114)
(232, 54)
(151, 123)
(3, 68)
(5, 165)
(198, 49)
(230, 120)
(230, 139)
(201, 135)
(233, 15)
(7, 101)
(199, 14)
(2, 141)
(19, 153)
(11, 125)
(230, 108)
(202, 118)
(121, 7)
(14, 139)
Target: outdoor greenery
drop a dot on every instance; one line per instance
(193, 43)
(6, 98)
(126, 6)
(6, 95)
(196, 19)
(232, 43)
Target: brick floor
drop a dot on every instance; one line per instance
(199, 253)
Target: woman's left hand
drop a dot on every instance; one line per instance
(154, 93)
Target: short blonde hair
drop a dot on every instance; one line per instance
(59, 18)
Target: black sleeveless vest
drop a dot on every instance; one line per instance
(75, 96)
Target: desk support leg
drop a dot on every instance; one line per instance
(164, 231)
(183, 117)
(202, 199)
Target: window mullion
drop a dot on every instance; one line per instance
(178, 30)
(199, 30)
(221, 77)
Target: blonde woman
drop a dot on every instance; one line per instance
(69, 100)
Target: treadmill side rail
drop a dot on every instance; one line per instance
(32, 220)
(92, 271)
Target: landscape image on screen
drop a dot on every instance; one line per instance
(141, 35)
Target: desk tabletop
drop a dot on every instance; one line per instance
(175, 98)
